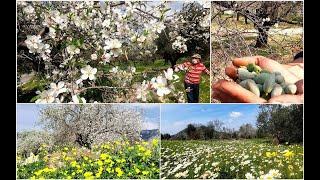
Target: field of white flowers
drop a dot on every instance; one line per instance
(250, 159)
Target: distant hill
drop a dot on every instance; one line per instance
(149, 134)
(180, 135)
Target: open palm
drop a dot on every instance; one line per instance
(227, 91)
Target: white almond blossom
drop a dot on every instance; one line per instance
(106, 23)
(114, 70)
(77, 100)
(106, 58)
(142, 91)
(29, 10)
(169, 74)
(72, 50)
(94, 56)
(46, 96)
(56, 18)
(88, 72)
(57, 89)
(160, 84)
(179, 44)
(157, 26)
(35, 45)
(114, 46)
(141, 39)
(52, 32)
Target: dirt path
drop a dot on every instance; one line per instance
(276, 31)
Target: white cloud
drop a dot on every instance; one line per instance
(235, 114)
(150, 125)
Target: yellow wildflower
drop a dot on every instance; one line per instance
(155, 142)
(145, 173)
(288, 154)
(141, 148)
(104, 156)
(119, 171)
(88, 175)
(98, 174)
(100, 163)
(137, 170)
(147, 153)
(109, 170)
(73, 163)
(37, 173)
(269, 154)
(79, 171)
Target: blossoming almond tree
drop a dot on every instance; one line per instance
(86, 125)
(84, 46)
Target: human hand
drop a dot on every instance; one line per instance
(227, 91)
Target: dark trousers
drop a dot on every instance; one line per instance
(193, 95)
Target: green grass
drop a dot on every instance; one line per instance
(230, 159)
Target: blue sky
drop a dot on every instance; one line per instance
(175, 117)
(173, 5)
(27, 116)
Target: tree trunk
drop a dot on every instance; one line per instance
(262, 39)
(275, 141)
(83, 141)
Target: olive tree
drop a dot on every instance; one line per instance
(247, 131)
(283, 123)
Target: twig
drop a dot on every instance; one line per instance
(103, 87)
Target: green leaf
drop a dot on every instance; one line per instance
(34, 84)
(35, 98)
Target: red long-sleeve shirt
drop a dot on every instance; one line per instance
(193, 74)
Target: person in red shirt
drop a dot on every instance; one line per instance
(193, 77)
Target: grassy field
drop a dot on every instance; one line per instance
(230, 159)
